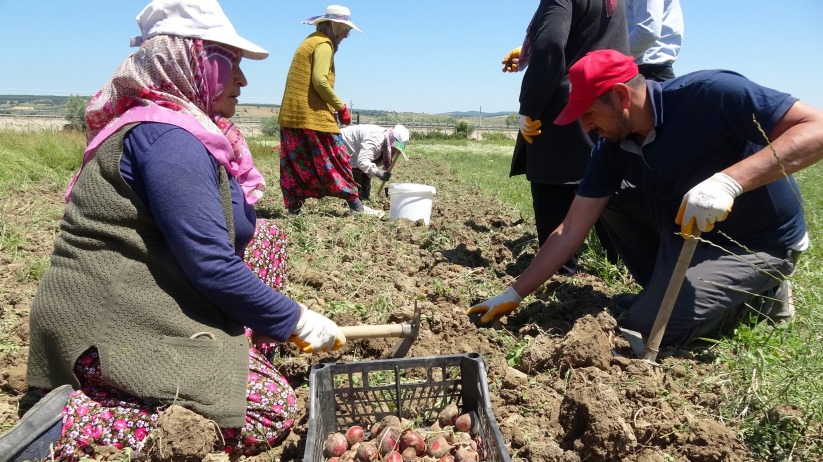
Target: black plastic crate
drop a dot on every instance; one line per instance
(363, 392)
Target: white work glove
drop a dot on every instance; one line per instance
(707, 203)
(529, 127)
(315, 332)
(496, 307)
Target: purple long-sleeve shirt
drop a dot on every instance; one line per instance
(176, 177)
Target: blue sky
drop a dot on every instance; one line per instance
(429, 56)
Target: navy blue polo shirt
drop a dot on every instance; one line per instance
(704, 123)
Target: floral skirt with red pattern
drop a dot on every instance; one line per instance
(314, 164)
(99, 415)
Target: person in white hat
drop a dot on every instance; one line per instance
(313, 158)
(372, 150)
(147, 298)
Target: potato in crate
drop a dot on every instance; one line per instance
(362, 393)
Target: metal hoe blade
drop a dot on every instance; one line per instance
(402, 347)
(407, 331)
(635, 340)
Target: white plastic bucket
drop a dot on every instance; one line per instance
(411, 201)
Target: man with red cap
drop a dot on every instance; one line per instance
(672, 157)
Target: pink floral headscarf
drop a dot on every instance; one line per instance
(174, 80)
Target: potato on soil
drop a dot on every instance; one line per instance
(412, 439)
(409, 455)
(466, 453)
(394, 456)
(367, 452)
(458, 437)
(335, 445)
(389, 421)
(439, 447)
(463, 423)
(374, 430)
(354, 435)
(348, 456)
(446, 458)
(448, 415)
(388, 440)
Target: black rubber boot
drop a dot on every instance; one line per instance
(38, 430)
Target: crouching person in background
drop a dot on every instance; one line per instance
(372, 151)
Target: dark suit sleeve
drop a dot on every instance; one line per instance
(549, 33)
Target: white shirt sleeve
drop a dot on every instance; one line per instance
(369, 150)
(645, 20)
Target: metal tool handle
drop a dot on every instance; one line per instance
(670, 297)
(376, 331)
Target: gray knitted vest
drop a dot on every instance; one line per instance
(114, 284)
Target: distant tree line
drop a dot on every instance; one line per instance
(76, 112)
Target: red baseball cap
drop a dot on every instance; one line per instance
(592, 76)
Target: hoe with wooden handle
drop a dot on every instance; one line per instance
(648, 351)
(407, 331)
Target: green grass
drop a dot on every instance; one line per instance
(483, 165)
(784, 366)
(26, 159)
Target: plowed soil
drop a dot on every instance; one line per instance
(564, 385)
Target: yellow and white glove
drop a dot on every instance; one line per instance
(707, 203)
(315, 332)
(498, 306)
(529, 127)
(511, 61)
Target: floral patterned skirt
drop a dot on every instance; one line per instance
(314, 164)
(99, 415)
(266, 254)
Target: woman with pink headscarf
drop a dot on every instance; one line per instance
(148, 298)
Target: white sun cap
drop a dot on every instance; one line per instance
(203, 19)
(334, 13)
(401, 135)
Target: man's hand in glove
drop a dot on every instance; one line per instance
(384, 175)
(315, 332)
(498, 306)
(344, 115)
(707, 203)
(529, 127)
(510, 62)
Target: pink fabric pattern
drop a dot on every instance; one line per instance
(174, 80)
(98, 415)
(266, 255)
(314, 164)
